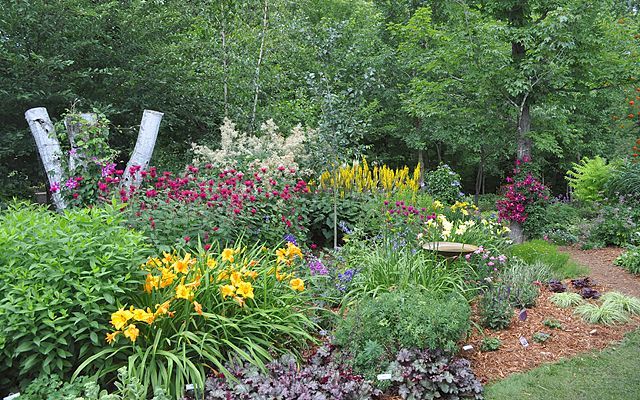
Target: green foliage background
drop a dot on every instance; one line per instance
(399, 80)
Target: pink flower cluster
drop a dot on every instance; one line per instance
(522, 191)
(399, 208)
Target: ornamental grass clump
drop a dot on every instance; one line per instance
(605, 314)
(629, 304)
(566, 299)
(195, 311)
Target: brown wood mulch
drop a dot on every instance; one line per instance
(575, 336)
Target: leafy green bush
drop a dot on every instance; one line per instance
(566, 299)
(51, 387)
(524, 281)
(624, 180)
(495, 308)
(614, 225)
(374, 330)
(490, 343)
(588, 178)
(548, 254)
(558, 222)
(60, 277)
(444, 184)
(629, 260)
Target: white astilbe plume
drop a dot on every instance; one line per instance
(270, 150)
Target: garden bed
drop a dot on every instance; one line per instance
(575, 337)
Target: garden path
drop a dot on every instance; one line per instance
(607, 275)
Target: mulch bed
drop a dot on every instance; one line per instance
(575, 337)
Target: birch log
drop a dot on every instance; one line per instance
(144, 147)
(49, 148)
(74, 126)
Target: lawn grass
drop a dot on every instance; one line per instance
(611, 374)
(540, 251)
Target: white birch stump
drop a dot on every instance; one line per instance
(73, 128)
(49, 148)
(144, 147)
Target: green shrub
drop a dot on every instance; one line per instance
(524, 282)
(495, 308)
(490, 344)
(60, 276)
(548, 254)
(51, 387)
(588, 178)
(444, 184)
(196, 312)
(375, 329)
(557, 223)
(614, 225)
(566, 299)
(629, 260)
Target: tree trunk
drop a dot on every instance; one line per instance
(256, 82)
(225, 69)
(517, 232)
(73, 129)
(49, 149)
(421, 165)
(479, 178)
(144, 147)
(524, 127)
(439, 152)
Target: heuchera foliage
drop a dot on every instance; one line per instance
(426, 374)
(523, 191)
(322, 377)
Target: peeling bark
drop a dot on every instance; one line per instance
(143, 150)
(49, 149)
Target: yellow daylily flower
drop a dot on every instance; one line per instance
(111, 337)
(120, 318)
(211, 263)
(227, 290)
(245, 289)
(182, 266)
(183, 292)
(151, 282)
(297, 284)
(227, 255)
(236, 278)
(167, 277)
(131, 332)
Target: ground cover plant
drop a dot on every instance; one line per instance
(60, 274)
(548, 254)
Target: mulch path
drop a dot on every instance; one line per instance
(575, 336)
(607, 275)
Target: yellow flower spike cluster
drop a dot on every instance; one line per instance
(183, 286)
(360, 178)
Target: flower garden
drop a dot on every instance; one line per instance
(248, 275)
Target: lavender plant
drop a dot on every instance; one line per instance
(495, 308)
